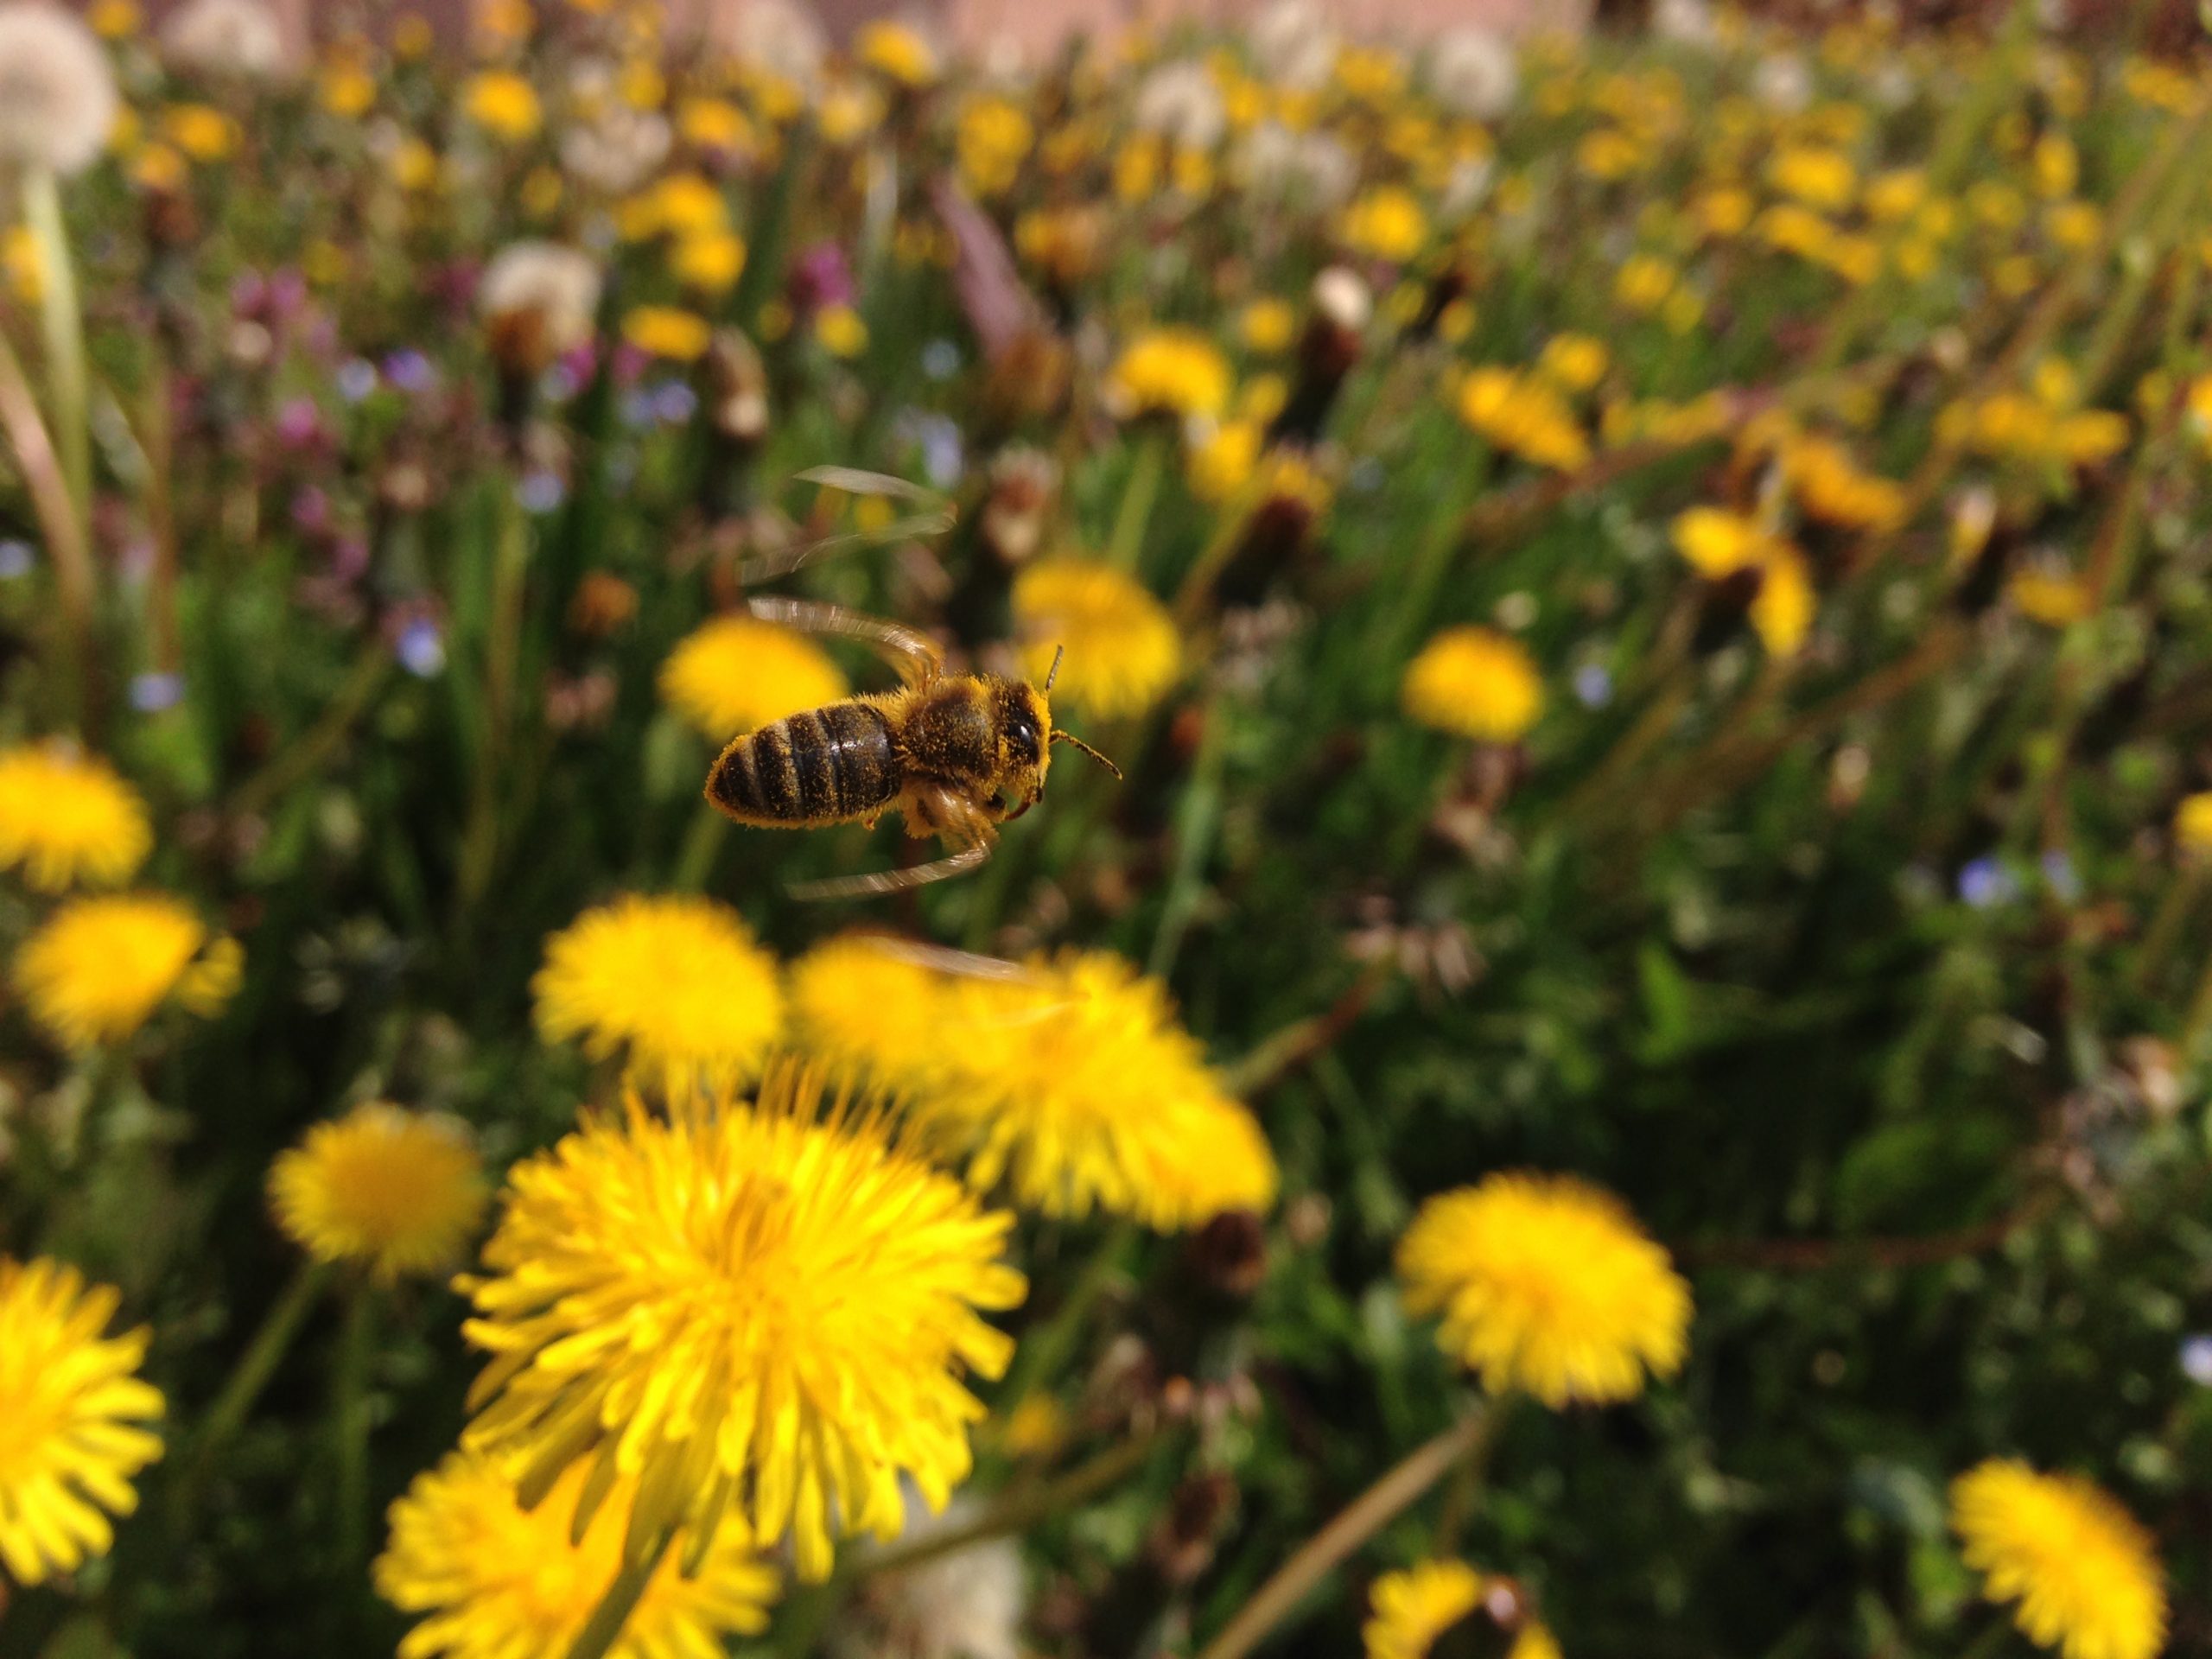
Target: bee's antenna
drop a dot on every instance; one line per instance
(1055, 674)
(1070, 737)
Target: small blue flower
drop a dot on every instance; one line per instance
(151, 693)
(943, 452)
(675, 402)
(15, 560)
(2058, 870)
(356, 378)
(1985, 882)
(541, 490)
(410, 371)
(640, 408)
(421, 649)
(2197, 1359)
(1593, 685)
(940, 359)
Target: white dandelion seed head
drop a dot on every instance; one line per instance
(1686, 23)
(236, 37)
(619, 150)
(559, 285)
(1180, 101)
(1784, 83)
(57, 94)
(1294, 44)
(776, 37)
(1342, 296)
(1474, 71)
(1312, 169)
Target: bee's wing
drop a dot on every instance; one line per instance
(944, 959)
(935, 514)
(864, 886)
(916, 657)
(966, 964)
(853, 481)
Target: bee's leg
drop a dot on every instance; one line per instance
(950, 815)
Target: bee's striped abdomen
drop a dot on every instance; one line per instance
(818, 766)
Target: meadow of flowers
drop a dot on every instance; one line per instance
(1622, 1070)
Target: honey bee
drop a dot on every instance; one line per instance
(944, 750)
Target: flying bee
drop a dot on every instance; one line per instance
(945, 751)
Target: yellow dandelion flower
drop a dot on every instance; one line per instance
(761, 1311)
(675, 983)
(114, 19)
(1385, 223)
(1268, 326)
(688, 204)
(1782, 613)
(1546, 1285)
(1474, 682)
(2086, 1575)
(714, 123)
(840, 330)
(1222, 464)
(504, 104)
(1573, 363)
(496, 1579)
(992, 138)
(735, 674)
(348, 89)
(711, 263)
(1525, 417)
(1717, 543)
(1822, 178)
(1408, 1611)
(1076, 1085)
(1122, 649)
(97, 968)
(2193, 822)
(870, 1012)
(1169, 371)
(66, 817)
(73, 1416)
(398, 1190)
(667, 331)
(2056, 599)
(896, 52)
(19, 258)
(203, 133)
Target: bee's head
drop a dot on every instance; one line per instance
(1025, 735)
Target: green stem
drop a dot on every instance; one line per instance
(2183, 893)
(1461, 1497)
(1390, 640)
(702, 842)
(1359, 1521)
(604, 1627)
(247, 1379)
(350, 1422)
(65, 335)
(1198, 816)
(300, 759)
(503, 651)
(2200, 1017)
(71, 634)
(1019, 1511)
(1041, 1355)
(1138, 494)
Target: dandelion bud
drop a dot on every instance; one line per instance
(1229, 1255)
(1330, 347)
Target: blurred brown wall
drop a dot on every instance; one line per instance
(1036, 24)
